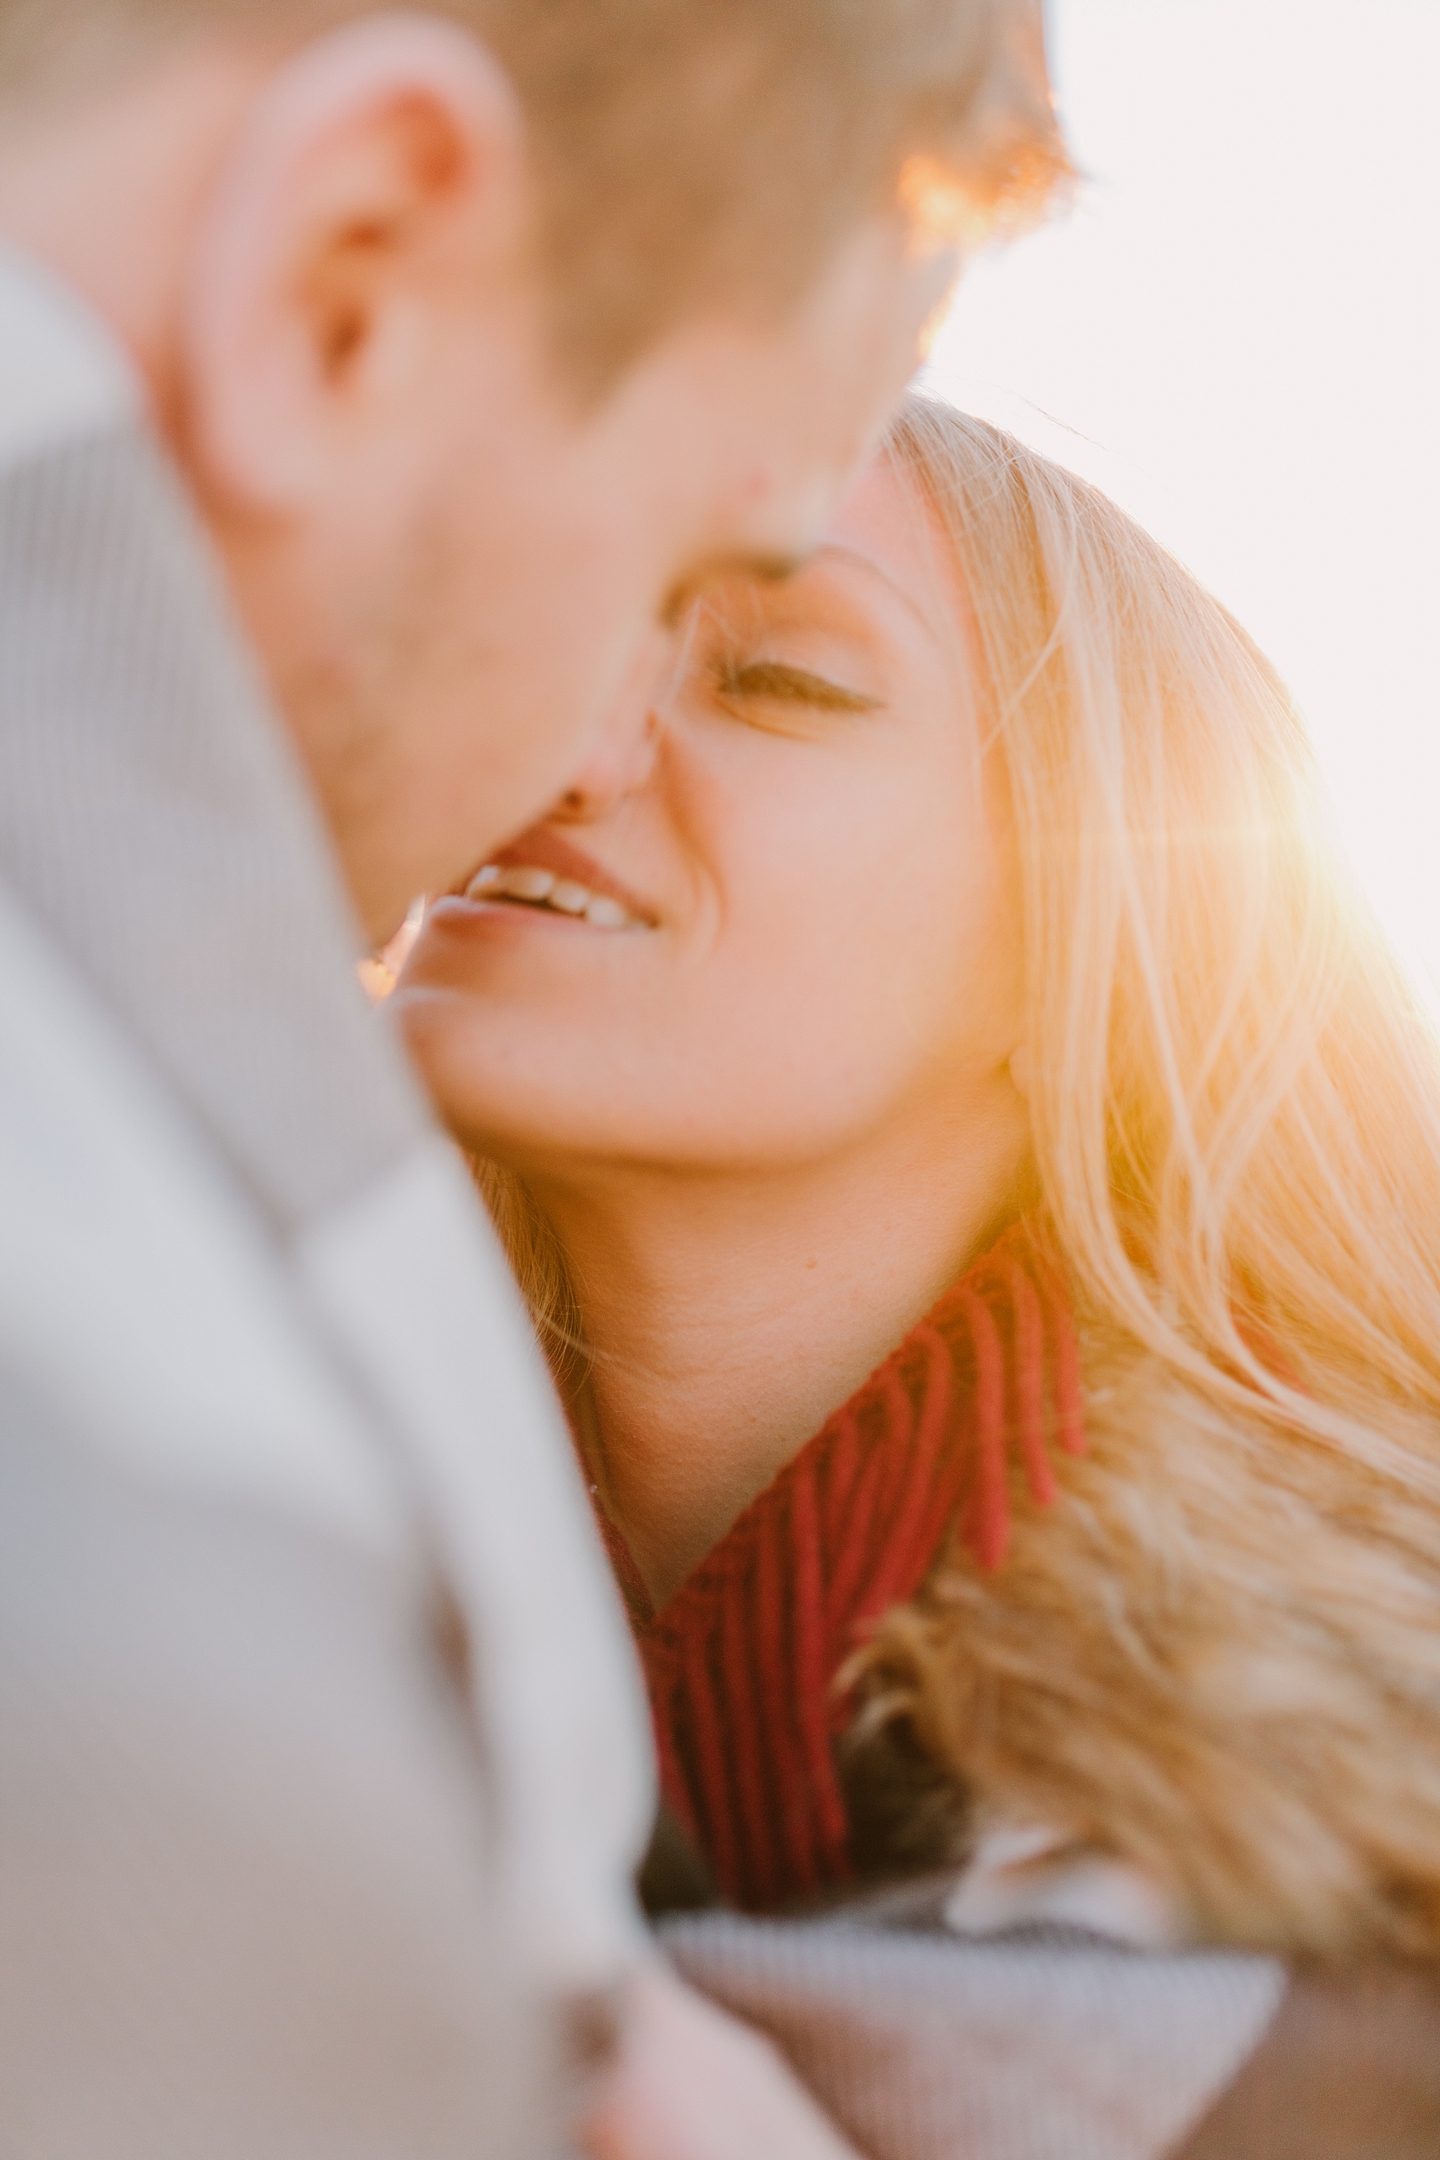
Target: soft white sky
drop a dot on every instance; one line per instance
(1237, 335)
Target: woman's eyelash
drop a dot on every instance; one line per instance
(797, 686)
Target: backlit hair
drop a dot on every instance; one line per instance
(689, 156)
(1219, 1653)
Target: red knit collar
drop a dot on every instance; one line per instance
(741, 1662)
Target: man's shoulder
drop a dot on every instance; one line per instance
(250, 1851)
(367, 1374)
(138, 1291)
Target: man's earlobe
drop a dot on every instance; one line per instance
(378, 178)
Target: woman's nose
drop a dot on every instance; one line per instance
(619, 765)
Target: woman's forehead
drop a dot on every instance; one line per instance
(883, 523)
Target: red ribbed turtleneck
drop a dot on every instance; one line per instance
(741, 1662)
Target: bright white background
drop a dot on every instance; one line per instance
(1237, 335)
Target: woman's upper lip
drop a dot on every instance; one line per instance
(543, 847)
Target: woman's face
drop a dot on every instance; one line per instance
(803, 935)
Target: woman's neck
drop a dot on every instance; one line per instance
(729, 1316)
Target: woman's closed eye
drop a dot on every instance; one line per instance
(779, 683)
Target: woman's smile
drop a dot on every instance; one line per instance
(527, 886)
(544, 875)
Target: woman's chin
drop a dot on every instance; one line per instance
(512, 1061)
(503, 962)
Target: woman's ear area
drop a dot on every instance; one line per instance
(374, 196)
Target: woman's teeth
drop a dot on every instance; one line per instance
(541, 888)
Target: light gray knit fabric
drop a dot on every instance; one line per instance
(246, 1910)
(929, 2048)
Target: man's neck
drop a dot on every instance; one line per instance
(728, 1316)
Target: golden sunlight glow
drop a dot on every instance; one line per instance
(1237, 335)
(939, 209)
(378, 974)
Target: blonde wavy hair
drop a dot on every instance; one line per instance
(1218, 1656)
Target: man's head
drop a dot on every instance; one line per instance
(487, 334)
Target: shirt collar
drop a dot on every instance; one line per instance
(63, 373)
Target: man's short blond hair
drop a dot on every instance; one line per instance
(690, 154)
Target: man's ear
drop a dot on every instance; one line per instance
(376, 190)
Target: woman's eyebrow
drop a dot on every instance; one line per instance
(754, 569)
(859, 560)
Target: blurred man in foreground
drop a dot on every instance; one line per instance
(436, 359)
